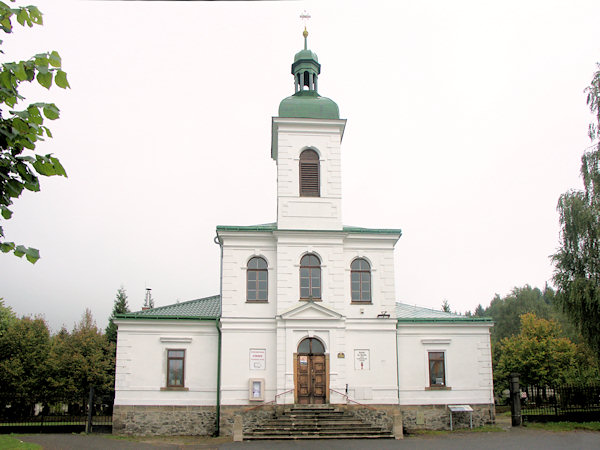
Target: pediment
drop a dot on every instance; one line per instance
(311, 311)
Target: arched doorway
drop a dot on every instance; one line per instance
(311, 373)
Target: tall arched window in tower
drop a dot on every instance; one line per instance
(360, 279)
(256, 276)
(310, 278)
(309, 174)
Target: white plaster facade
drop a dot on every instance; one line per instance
(393, 344)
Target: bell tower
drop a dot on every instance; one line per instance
(306, 145)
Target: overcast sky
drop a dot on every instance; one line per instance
(466, 121)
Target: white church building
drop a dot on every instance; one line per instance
(307, 313)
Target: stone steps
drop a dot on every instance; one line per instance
(317, 436)
(316, 422)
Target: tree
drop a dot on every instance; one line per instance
(24, 348)
(7, 317)
(446, 306)
(21, 129)
(479, 311)
(506, 310)
(84, 358)
(538, 353)
(119, 307)
(577, 261)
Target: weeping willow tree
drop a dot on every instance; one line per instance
(577, 261)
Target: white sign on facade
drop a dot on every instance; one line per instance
(258, 359)
(361, 360)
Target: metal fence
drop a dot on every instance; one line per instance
(18, 415)
(558, 403)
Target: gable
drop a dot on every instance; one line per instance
(311, 311)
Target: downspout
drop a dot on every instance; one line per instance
(219, 344)
(218, 419)
(397, 364)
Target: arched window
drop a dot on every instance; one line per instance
(310, 278)
(360, 279)
(309, 174)
(312, 346)
(256, 276)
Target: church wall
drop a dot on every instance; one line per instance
(290, 249)
(238, 248)
(309, 213)
(379, 252)
(141, 370)
(243, 341)
(467, 358)
(370, 361)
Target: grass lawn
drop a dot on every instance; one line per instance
(564, 426)
(10, 441)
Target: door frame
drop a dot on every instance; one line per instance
(326, 377)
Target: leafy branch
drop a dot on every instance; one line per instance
(21, 129)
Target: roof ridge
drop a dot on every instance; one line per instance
(431, 309)
(158, 308)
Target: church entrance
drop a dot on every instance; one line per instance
(311, 373)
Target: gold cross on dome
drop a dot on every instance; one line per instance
(305, 16)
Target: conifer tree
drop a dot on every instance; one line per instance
(120, 307)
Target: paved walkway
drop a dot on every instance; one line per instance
(511, 439)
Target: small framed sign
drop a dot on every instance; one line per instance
(361, 360)
(256, 390)
(258, 359)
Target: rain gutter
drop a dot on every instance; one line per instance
(218, 241)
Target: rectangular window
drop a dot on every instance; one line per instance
(175, 368)
(437, 373)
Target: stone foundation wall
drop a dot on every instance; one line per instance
(251, 417)
(437, 417)
(164, 420)
(377, 415)
(200, 420)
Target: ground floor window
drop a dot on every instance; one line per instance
(175, 368)
(437, 373)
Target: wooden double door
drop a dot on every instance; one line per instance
(311, 374)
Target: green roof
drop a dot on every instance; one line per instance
(413, 313)
(306, 54)
(209, 308)
(266, 227)
(199, 309)
(308, 105)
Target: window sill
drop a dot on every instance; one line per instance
(257, 301)
(361, 302)
(174, 388)
(311, 300)
(438, 388)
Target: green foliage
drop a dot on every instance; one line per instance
(36, 367)
(507, 310)
(22, 128)
(564, 426)
(7, 317)
(120, 307)
(82, 359)
(11, 442)
(538, 353)
(577, 262)
(446, 306)
(24, 349)
(479, 311)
